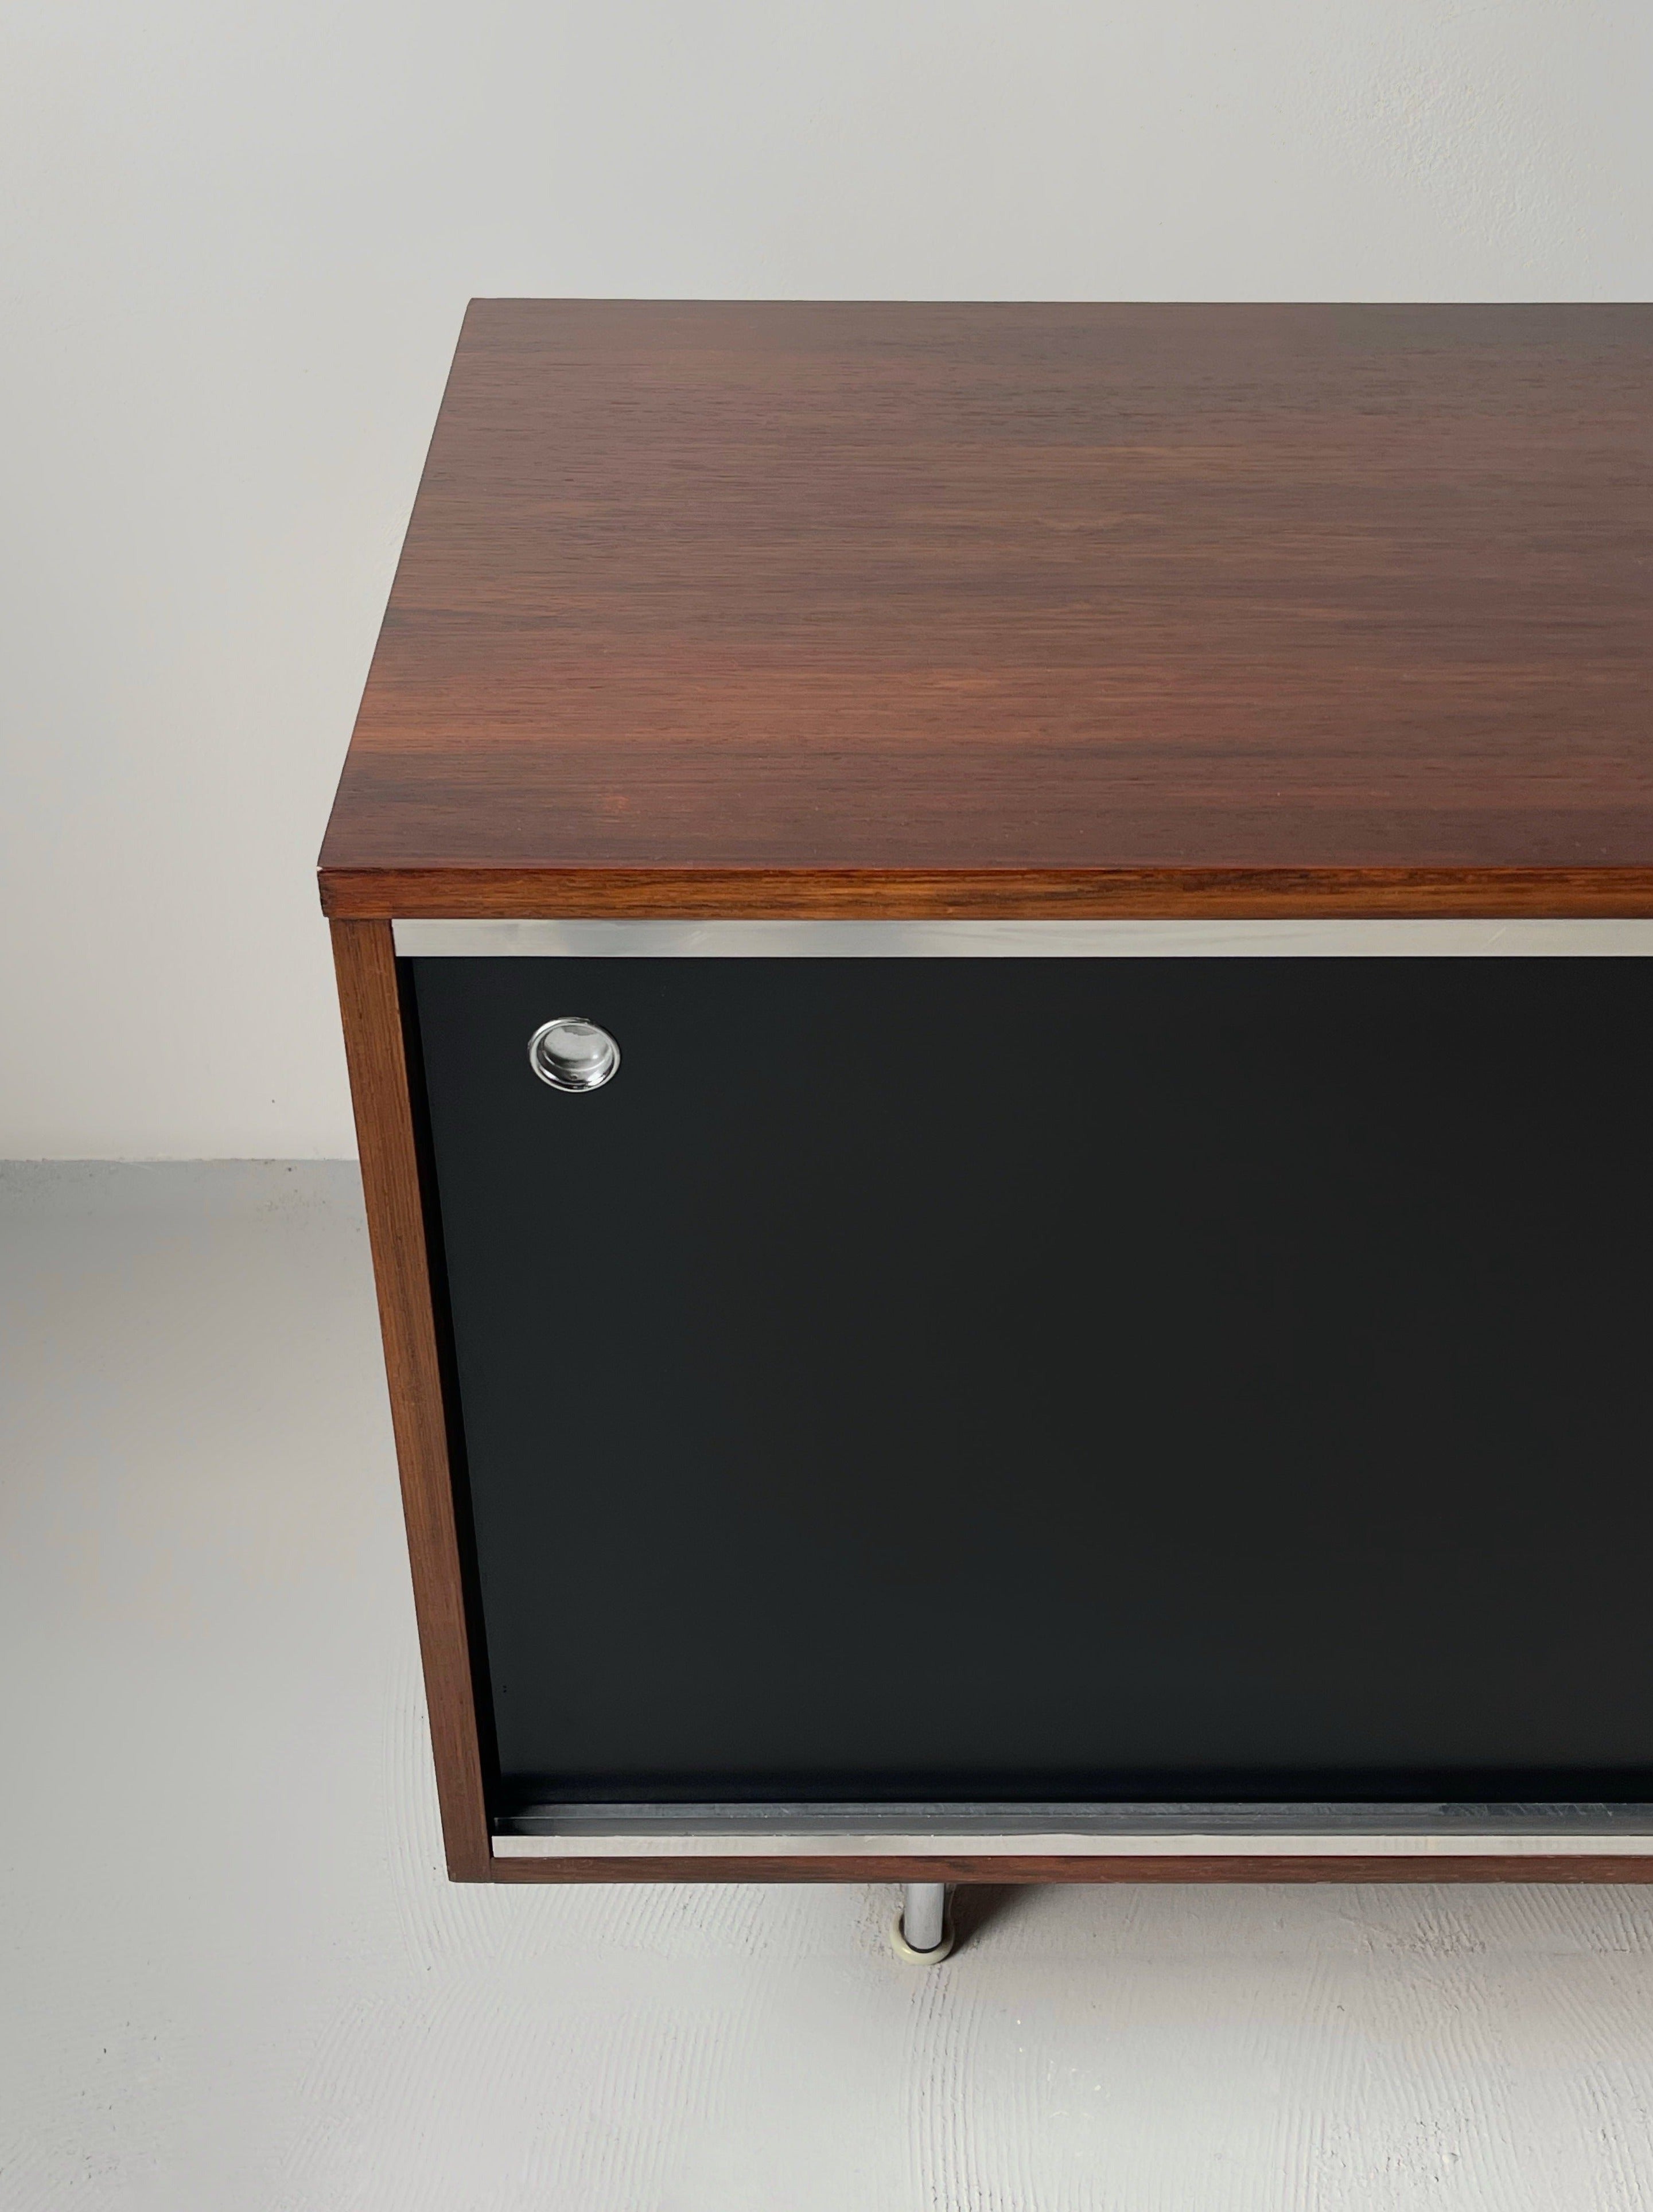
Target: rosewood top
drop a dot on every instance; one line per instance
(719, 608)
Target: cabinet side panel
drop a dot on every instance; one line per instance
(365, 961)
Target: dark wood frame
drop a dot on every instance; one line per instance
(559, 723)
(424, 1423)
(364, 956)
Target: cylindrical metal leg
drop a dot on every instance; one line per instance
(924, 1915)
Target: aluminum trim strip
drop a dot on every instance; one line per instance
(1149, 1816)
(1126, 1831)
(884, 1844)
(976, 940)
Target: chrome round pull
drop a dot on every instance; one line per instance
(572, 1054)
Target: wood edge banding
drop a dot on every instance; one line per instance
(365, 962)
(492, 892)
(1089, 1868)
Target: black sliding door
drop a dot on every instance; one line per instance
(985, 1379)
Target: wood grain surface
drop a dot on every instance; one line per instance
(725, 609)
(366, 964)
(805, 608)
(1085, 1867)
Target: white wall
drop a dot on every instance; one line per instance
(237, 241)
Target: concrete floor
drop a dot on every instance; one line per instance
(235, 1980)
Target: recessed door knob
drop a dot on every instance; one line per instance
(572, 1054)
